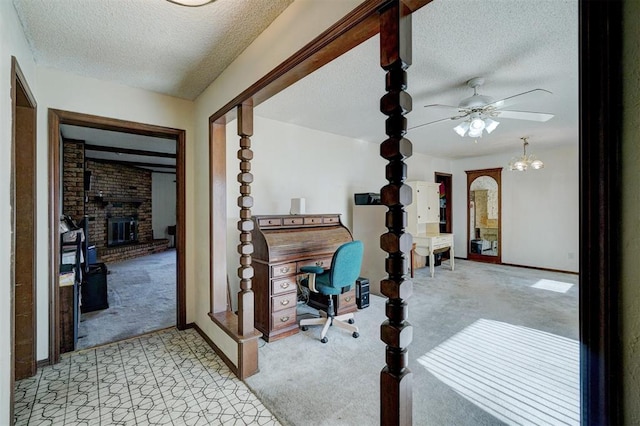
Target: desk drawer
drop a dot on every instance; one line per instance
(440, 242)
(347, 301)
(283, 269)
(312, 220)
(324, 262)
(289, 221)
(282, 285)
(332, 219)
(274, 221)
(286, 301)
(282, 319)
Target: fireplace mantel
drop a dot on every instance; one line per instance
(119, 200)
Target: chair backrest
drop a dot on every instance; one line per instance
(346, 264)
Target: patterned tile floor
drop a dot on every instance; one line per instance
(169, 377)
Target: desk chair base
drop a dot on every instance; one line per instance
(327, 321)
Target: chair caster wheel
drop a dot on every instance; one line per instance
(351, 320)
(304, 328)
(324, 340)
(355, 334)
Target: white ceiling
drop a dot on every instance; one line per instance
(151, 44)
(115, 140)
(516, 45)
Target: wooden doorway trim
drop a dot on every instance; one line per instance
(601, 101)
(600, 56)
(471, 176)
(447, 179)
(58, 117)
(23, 229)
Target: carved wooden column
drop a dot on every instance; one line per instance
(245, 225)
(395, 57)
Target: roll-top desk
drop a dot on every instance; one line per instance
(282, 245)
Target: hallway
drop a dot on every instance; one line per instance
(168, 377)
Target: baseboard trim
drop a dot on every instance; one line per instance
(541, 269)
(530, 267)
(213, 346)
(43, 363)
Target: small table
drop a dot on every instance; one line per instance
(427, 244)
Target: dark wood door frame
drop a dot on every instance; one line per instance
(471, 176)
(447, 179)
(600, 86)
(600, 24)
(23, 229)
(58, 117)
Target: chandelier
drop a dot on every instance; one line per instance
(525, 161)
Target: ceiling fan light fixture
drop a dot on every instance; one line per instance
(490, 125)
(477, 125)
(462, 128)
(191, 3)
(475, 133)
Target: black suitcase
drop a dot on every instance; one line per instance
(94, 289)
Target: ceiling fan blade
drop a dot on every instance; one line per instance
(520, 97)
(438, 121)
(444, 106)
(524, 115)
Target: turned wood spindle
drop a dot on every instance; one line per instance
(397, 333)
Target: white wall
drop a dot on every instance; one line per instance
(12, 43)
(539, 209)
(300, 23)
(296, 162)
(65, 91)
(163, 203)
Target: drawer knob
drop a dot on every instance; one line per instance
(284, 269)
(347, 299)
(284, 319)
(284, 302)
(284, 285)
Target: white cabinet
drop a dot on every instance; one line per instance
(425, 207)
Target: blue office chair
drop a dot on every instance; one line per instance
(344, 271)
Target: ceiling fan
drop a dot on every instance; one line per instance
(479, 111)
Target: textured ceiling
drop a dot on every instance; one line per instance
(516, 45)
(151, 44)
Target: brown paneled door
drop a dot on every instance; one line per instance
(23, 199)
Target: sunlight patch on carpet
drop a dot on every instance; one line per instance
(519, 375)
(551, 285)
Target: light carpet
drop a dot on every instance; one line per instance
(142, 298)
(305, 382)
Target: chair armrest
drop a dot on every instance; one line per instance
(312, 269)
(310, 272)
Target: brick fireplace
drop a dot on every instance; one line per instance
(118, 204)
(121, 231)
